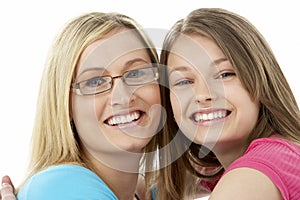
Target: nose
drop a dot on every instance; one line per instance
(121, 94)
(204, 92)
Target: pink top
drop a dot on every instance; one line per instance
(277, 158)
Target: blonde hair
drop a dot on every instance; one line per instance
(54, 139)
(259, 72)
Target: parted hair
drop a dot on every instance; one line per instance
(259, 72)
(54, 139)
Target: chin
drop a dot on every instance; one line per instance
(135, 145)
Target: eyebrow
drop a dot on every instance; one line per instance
(179, 68)
(91, 69)
(126, 65)
(184, 68)
(218, 61)
(131, 62)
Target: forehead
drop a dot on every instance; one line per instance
(194, 49)
(187, 51)
(110, 48)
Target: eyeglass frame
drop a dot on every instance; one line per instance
(76, 85)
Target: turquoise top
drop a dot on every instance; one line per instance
(65, 182)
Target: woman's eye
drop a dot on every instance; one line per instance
(134, 74)
(183, 82)
(95, 82)
(226, 74)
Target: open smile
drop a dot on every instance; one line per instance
(209, 116)
(124, 119)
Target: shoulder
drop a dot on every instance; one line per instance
(247, 184)
(271, 161)
(275, 144)
(65, 182)
(275, 153)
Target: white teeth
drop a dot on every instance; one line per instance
(122, 119)
(210, 116)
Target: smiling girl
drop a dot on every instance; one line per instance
(230, 98)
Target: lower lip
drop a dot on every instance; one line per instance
(128, 125)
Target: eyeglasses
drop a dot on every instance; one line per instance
(99, 84)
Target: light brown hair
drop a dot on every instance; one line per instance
(259, 72)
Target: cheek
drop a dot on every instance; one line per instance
(249, 112)
(240, 98)
(82, 109)
(247, 109)
(85, 118)
(149, 97)
(150, 94)
(176, 107)
(100, 106)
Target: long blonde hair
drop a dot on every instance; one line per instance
(54, 139)
(259, 72)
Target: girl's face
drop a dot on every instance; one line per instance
(123, 118)
(210, 104)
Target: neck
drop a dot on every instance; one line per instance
(121, 179)
(227, 154)
(123, 184)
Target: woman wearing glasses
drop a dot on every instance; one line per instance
(97, 110)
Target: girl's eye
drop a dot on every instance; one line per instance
(183, 82)
(225, 75)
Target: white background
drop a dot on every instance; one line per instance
(28, 28)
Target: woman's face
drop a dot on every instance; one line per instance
(123, 118)
(210, 104)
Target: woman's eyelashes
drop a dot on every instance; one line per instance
(225, 74)
(179, 79)
(190, 81)
(95, 81)
(183, 82)
(135, 73)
